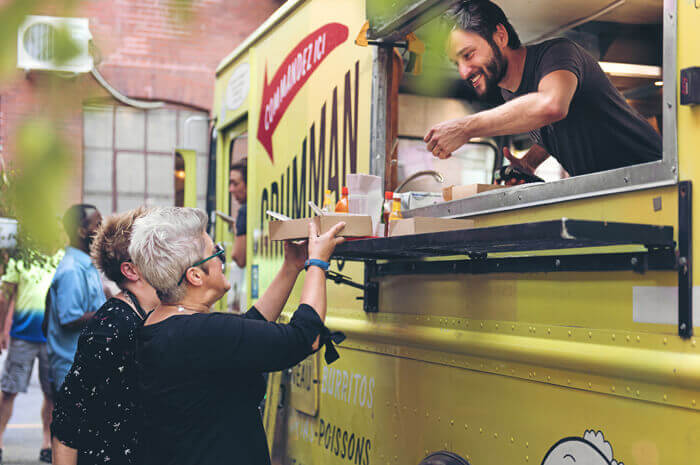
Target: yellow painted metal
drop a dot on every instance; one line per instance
(496, 368)
(190, 159)
(305, 386)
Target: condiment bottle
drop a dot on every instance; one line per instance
(395, 209)
(343, 204)
(386, 211)
(327, 202)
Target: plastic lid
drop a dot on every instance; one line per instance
(388, 195)
(345, 190)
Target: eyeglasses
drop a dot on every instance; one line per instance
(219, 252)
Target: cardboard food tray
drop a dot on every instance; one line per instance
(422, 225)
(460, 192)
(355, 226)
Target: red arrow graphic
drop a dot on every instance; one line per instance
(292, 74)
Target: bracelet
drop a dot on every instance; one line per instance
(316, 262)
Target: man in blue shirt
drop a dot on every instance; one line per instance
(76, 291)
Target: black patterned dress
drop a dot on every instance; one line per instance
(97, 409)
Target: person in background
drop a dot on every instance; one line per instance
(22, 293)
(75, 293)
(96, 419)
(239, 188)
(200, 373)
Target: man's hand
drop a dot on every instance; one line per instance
(523, 164)
(295, 254)
(528, 163)
(446, 137)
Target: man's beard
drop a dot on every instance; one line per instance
(494, 72)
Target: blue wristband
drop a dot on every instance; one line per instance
(316, 262)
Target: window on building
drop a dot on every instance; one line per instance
(129, 154)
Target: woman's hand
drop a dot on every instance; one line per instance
(295, 254)
(322, 247)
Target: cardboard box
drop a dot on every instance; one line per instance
(460, 192)
(355, 226)
(422, 225)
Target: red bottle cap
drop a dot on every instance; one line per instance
(388, 195)
(345, 190)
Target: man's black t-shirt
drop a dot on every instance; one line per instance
(601, 131)
(200, 381)
(241, 220)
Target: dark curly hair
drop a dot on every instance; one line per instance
(110, 248)
(482, 17)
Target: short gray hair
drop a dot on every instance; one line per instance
(164, 244)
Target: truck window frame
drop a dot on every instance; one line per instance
(636, 177)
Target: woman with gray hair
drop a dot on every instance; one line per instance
(200, 372)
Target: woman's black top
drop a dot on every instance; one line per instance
(96, 410)
(201, 381)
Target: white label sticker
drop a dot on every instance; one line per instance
(238, 87)
(659, 304)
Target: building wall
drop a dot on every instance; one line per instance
(147, 52)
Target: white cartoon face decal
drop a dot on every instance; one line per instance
(591, 449)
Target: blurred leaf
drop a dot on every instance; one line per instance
(11, 16)
(38, 194)
(65, 47)
(181, 11)
(438, 73)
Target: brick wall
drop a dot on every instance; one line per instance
(146, 53)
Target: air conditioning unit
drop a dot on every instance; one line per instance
(38, 47)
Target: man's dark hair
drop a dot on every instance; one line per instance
(242, 167)
(482, 17)
(77, 217)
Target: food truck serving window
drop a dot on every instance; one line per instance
(634, 42)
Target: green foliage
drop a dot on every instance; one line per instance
(11, 16)
(65, 47)
(35, 193)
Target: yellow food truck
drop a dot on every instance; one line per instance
(557, 329)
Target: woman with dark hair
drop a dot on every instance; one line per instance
(96, 418)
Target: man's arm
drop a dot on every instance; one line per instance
(239, 250)
(71, 299)
(522, 114)
(80, 322)
(8, 294)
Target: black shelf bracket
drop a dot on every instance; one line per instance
(685, 259)
(639, 262)
(370, 289)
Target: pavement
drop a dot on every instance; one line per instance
(22, 439)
